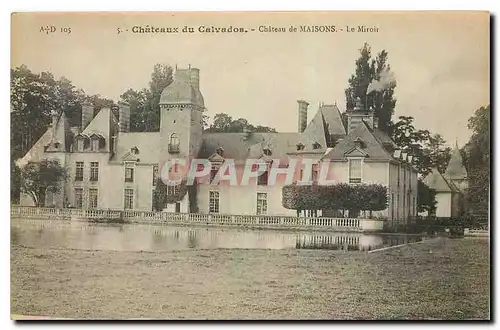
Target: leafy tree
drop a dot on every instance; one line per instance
(478, 161)
(426, 199)
(374, 84)
(225, 123)
(165, 194)
(39, 178)
(145, 103)
(439, 154)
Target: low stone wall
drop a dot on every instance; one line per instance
(149, 217)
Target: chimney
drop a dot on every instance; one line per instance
(302, 115)
(194, 76)
(87, 114)
(358, 115)
(123, 117)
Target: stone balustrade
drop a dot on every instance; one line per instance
(264, 221)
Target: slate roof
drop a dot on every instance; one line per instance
(333, 119)
(456, 169)
(181, 90)
(148, 144)
(60, 135)
(317, 129)
(372, 146)
(240, 146)
(436, 181)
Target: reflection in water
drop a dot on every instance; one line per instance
(138, 237)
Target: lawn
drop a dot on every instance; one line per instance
(438, 279)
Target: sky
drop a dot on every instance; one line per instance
(441, 60)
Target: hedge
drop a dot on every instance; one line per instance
(342, 196)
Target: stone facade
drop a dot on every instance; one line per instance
(120, 167)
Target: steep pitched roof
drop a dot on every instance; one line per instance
(181, 90)
(59, 135)
(333, 119)
(240, 146)
(436, 181)
(317, 129)
(456, 169)
(373, 148)
(148, 143)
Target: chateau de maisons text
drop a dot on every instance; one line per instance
(151, 29)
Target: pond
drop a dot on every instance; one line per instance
(139, 237)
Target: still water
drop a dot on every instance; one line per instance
(138, 237)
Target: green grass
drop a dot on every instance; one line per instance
(438, 279)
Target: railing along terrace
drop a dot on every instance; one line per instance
(185, 218)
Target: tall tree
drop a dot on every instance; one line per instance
(478, 161)
(374, 84)
(437, 152)
(145, 103)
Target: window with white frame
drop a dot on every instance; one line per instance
(213, 203)
(129, 173)
(79, 145)
(93, 198)
(79, 171)
(129, 199)
(95, 144)
(78, 198)
(94, 171)
(355, 170)
(261, 203)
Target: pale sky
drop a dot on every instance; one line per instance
(440, 60)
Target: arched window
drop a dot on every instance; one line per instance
(174, 139)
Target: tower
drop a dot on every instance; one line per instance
(456, 172)
(181, 109)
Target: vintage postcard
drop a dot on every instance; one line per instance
(250, 165)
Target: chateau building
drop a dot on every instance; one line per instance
(113, 168)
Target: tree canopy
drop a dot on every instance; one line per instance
(226, 124)
(478, 157)
(374, 84)
(39, 178)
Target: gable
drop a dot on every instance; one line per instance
(373, 148)
(356, 152)
(436, 181)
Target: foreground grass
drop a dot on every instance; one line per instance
(437, 279)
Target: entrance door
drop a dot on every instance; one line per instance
(177, 207)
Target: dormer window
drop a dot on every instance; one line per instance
(79, 145)
(95, 145)
(316, 145)
(57, 145)
(300, 146)
(267, 151)
(134, 151)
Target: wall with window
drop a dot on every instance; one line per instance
(243, 199)
(403, 183)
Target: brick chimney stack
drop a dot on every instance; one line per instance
(123, 117)
(302, 115)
